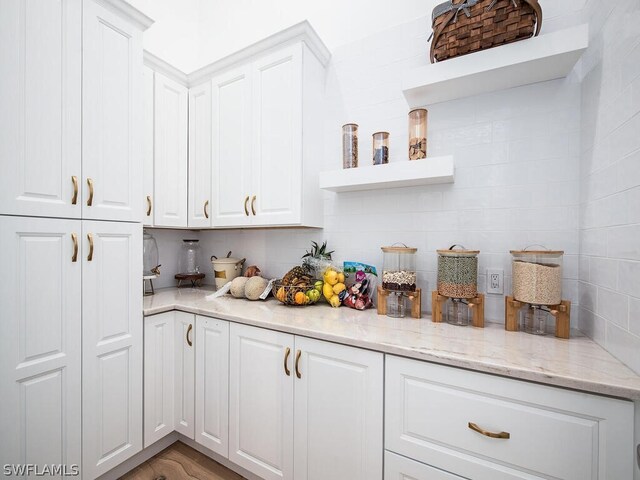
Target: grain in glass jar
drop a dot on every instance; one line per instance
(349, 145)
(417, 134)
(537, 276)
(380, 148)
(399, 269)
(458, 272)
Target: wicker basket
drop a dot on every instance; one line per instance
(466, 26)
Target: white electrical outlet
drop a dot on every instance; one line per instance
(495, 281)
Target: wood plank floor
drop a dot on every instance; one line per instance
(180, 462)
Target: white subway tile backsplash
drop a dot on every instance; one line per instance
(613, 307)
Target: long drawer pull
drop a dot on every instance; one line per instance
(286, 362)
(502, 435)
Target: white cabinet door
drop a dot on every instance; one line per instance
(147, 144)
(200, 156)
(40, 342)
(40, 94)
(276, 195)
(184, 376)
(231, 148)
(261, 402)
(212, 386)
(170, 153)
(111, 344)
(397, 467)
(338, 412)
(111, 116)
(158, 376)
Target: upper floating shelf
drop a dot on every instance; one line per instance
(392, 175)
(537, 59)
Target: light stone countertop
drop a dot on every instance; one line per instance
(578, 363)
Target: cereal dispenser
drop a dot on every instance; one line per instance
(457, 300)
(399, 282)
(537, 292)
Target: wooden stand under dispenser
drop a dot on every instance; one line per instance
(561, 312)
(476, 305)
(415, 299)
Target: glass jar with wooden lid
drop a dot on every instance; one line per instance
(399, 268)
(537, 276)
(458, 272)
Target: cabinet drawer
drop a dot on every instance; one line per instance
(552, 432)
(397, 467)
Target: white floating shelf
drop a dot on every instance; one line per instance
(537, 59)
(428, 171)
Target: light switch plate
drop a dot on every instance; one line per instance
(495, 281)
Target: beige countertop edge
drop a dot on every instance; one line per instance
(539, 375)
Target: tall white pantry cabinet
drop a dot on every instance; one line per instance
(70, 233)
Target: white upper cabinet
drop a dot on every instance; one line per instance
(112, 345)
(148, 79)
(276, 166)
(111, 113)
(170, 152)
(40, 94)
(200, 156)
(231, 151)
(40, 352)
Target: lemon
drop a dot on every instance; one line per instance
(327, 291)
(335, 301)
(340, 277)
(331, 277)
(338, 287)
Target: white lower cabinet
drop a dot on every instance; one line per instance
(338, 412)
(212, 384)
(40, 370)
(397, 467)
(327, 397)
(158, 376)
(486, 427)
(184, 373)
(261, 401)
(112, 345)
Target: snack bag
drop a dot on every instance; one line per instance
(361, 285)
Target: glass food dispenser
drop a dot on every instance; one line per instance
(398, 277)
(537, 282)
(458, 281)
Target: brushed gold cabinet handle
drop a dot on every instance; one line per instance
(74, 239)
(206, 206)
(90, 238)
(253, 205)
(189, 342)
(74, 199)
(246, 208)
(298, 354)
(90, 199)
(286, 362)
(502, 435)
(149, 205)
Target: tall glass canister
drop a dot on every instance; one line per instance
(418, 134)
(380, 148)
(349, 145)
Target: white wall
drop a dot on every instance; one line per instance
(609, 289)
(190, 34)
(516, 154)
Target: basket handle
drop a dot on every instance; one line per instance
(538, 11)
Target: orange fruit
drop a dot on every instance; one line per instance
(300, 298)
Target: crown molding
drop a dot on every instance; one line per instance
(158, 65)
(125, 9)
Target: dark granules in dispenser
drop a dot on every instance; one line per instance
(404, 287)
